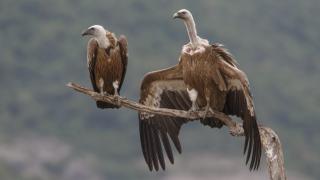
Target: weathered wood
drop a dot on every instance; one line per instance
(274, 155)
(270, 140)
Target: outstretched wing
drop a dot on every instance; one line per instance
(164, 89)
(239, 102)
(123, 43)
(92, 50)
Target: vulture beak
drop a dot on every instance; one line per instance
(86, 32)
(176, 15)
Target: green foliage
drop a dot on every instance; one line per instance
(41, 49)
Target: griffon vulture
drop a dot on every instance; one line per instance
(107, 60)
(206, 77)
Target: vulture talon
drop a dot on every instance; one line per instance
(117, 100)
(236, 130)
(194, 109)
(206, 111)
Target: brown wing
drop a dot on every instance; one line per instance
(124, 57)
(239, 102)
(92, 50)
(224, 53)
(165, 89)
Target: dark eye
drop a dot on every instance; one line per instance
(183, 12)
(91, 29)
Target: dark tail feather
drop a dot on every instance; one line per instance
(105, 105)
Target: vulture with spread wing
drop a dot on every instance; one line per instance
(206, 77)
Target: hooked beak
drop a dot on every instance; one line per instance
(176, 15)
(86, 32)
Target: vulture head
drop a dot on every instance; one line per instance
(183, 14)
(99, 33)
(195, 41)
(94, 31)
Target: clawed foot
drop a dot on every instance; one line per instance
(194, 108)
(236, 130)
(117, 99)
(103, 93)
(191, 112)
(206, 110)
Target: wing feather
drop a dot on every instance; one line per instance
(92, 50)
(167, 147)
(149, 147)
(123, 43)
(237, 104)
(154, 151)
(224, 53)
(164, 89)
(159, 149)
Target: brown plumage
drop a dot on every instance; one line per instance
(205, 78)
(107, 62)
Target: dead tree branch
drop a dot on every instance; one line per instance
(270, 140)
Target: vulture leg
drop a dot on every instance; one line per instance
(193, 94)
(115, 85)
(207, 92)
(206, 111)
(194, 107)
(101, 84)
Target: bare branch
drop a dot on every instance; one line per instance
(270, 141)
(161, 111)
(274, 155)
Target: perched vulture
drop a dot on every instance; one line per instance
(107, 60)
(205, 78)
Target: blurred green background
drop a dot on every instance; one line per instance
(48, 131)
